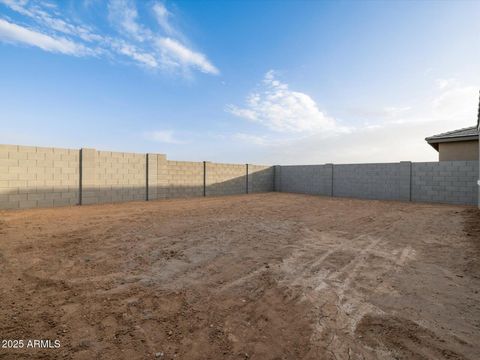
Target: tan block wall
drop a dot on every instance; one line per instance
(119, 177)
(225, 179)
(460, 150)
(260, 178)
(183, 179)
(44, 177)
(32, 176)
(153, 175)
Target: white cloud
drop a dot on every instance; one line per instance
(10, 32)
(280, 109)
(163, 136)
(399, 136)
(170, 53)
(124, 14)
(134, 41)
(176, 53)
(131, 51)
(162, 15)
(42, 16)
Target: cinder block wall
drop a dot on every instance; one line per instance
(225, 179)
(451, 182)
(184, 179)
(306, 179)
(260, 178)
(32, 176)
(120, 176)
(387, 181)
(45, 177)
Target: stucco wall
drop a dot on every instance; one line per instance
(460, 150)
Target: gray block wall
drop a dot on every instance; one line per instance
(277, 178)
(387, 181)
(306, 179)
(451, 182)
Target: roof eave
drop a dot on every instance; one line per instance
(434, 145)
(435, 141)
(451, 139)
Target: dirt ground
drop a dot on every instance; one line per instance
(267, 276)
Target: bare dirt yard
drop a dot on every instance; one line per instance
(267, 276)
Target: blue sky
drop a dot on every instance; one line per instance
(239, 81)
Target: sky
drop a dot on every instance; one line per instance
(268, 82)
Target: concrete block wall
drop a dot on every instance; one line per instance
(387, 181)
(277, 178)
(87, 177)
(45, 177)
(260, 178)
(119, 177)
(452, 182)
(32, 176)
(157, 176)
(306, 179)
(225, 179)
(184, 179)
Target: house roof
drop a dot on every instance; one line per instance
(465, 134)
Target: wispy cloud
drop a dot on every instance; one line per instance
(163, 18)
(142, 58)
(280, 109)
(164, 49)
(14, 33)
(46, 14)
(123, 14)
(174, 52)
(164, 136)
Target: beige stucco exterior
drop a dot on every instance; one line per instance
(458, 150)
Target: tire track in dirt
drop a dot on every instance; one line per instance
(330, 280)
